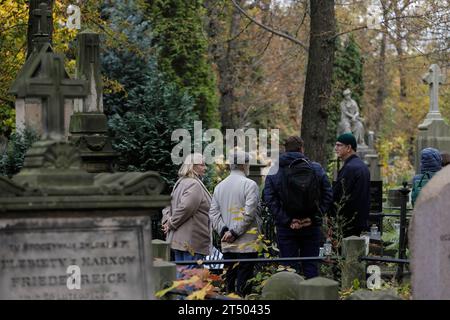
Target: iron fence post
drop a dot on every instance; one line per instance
(402, 239)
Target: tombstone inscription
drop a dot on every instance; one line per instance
(110, 254)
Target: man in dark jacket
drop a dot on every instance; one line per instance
(351, 192)
(294, 234)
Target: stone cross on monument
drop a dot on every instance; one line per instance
(55, 87)
(433, 131)
(43, 14)
(44, 77)
(433, 78)
(40, 24)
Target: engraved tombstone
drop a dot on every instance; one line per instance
(54, 215)
(66, 233)
(429, 238)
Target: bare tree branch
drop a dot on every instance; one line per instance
(276, 32)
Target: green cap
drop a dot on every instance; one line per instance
(348, 139)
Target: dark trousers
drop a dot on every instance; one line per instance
(237, 274)
(301, 243)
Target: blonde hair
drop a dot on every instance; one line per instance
(187, 168)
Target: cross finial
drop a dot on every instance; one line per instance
(434, 78)
(43, 14)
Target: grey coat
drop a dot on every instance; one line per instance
(234, 207)
(188, 219)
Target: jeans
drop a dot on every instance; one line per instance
(301, 243)
(238, 274)
(179, 255)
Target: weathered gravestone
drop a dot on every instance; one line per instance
(88, 124)
(429, 238)
(54, 215)
(43, 85)
(282, 286)
(434, 131)
(66, 233)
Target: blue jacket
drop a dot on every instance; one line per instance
(430, 161)
(272, 189)
(351, 192)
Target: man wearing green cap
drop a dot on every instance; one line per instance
(351, 192)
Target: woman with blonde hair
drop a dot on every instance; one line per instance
(186, 221)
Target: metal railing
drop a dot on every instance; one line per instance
(268, 229)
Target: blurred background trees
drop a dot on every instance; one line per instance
(244, 63)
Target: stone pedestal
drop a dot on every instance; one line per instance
(352, 249)
(161, 249)
(88, 131)
(319, 289)
(282, 286)
(164, 274)
(373, 162)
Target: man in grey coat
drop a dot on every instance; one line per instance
(233, 215)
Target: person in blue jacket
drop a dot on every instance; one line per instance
(351, 191)
(297, 237)
(430, 163)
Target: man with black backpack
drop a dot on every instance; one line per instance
(298, 195)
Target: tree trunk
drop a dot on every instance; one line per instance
(225, 55)
(381, 91)
(399, 49)
(33, 25)
(318, 84)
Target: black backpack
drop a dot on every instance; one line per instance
(300, 193)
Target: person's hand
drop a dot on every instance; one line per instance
(295, 224)
(305, 222)
(228, 237)
(300, 223)
(165, 228)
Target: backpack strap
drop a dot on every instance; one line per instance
(299, 160)
(423, 175)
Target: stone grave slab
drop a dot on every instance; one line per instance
(113, 256)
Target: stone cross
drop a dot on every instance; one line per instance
(55, 86)
(434, 78)
(40, 24)
(43, 15)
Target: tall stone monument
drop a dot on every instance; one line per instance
(88, 124)
(66, 233)
(433, 131)
(43, 85)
